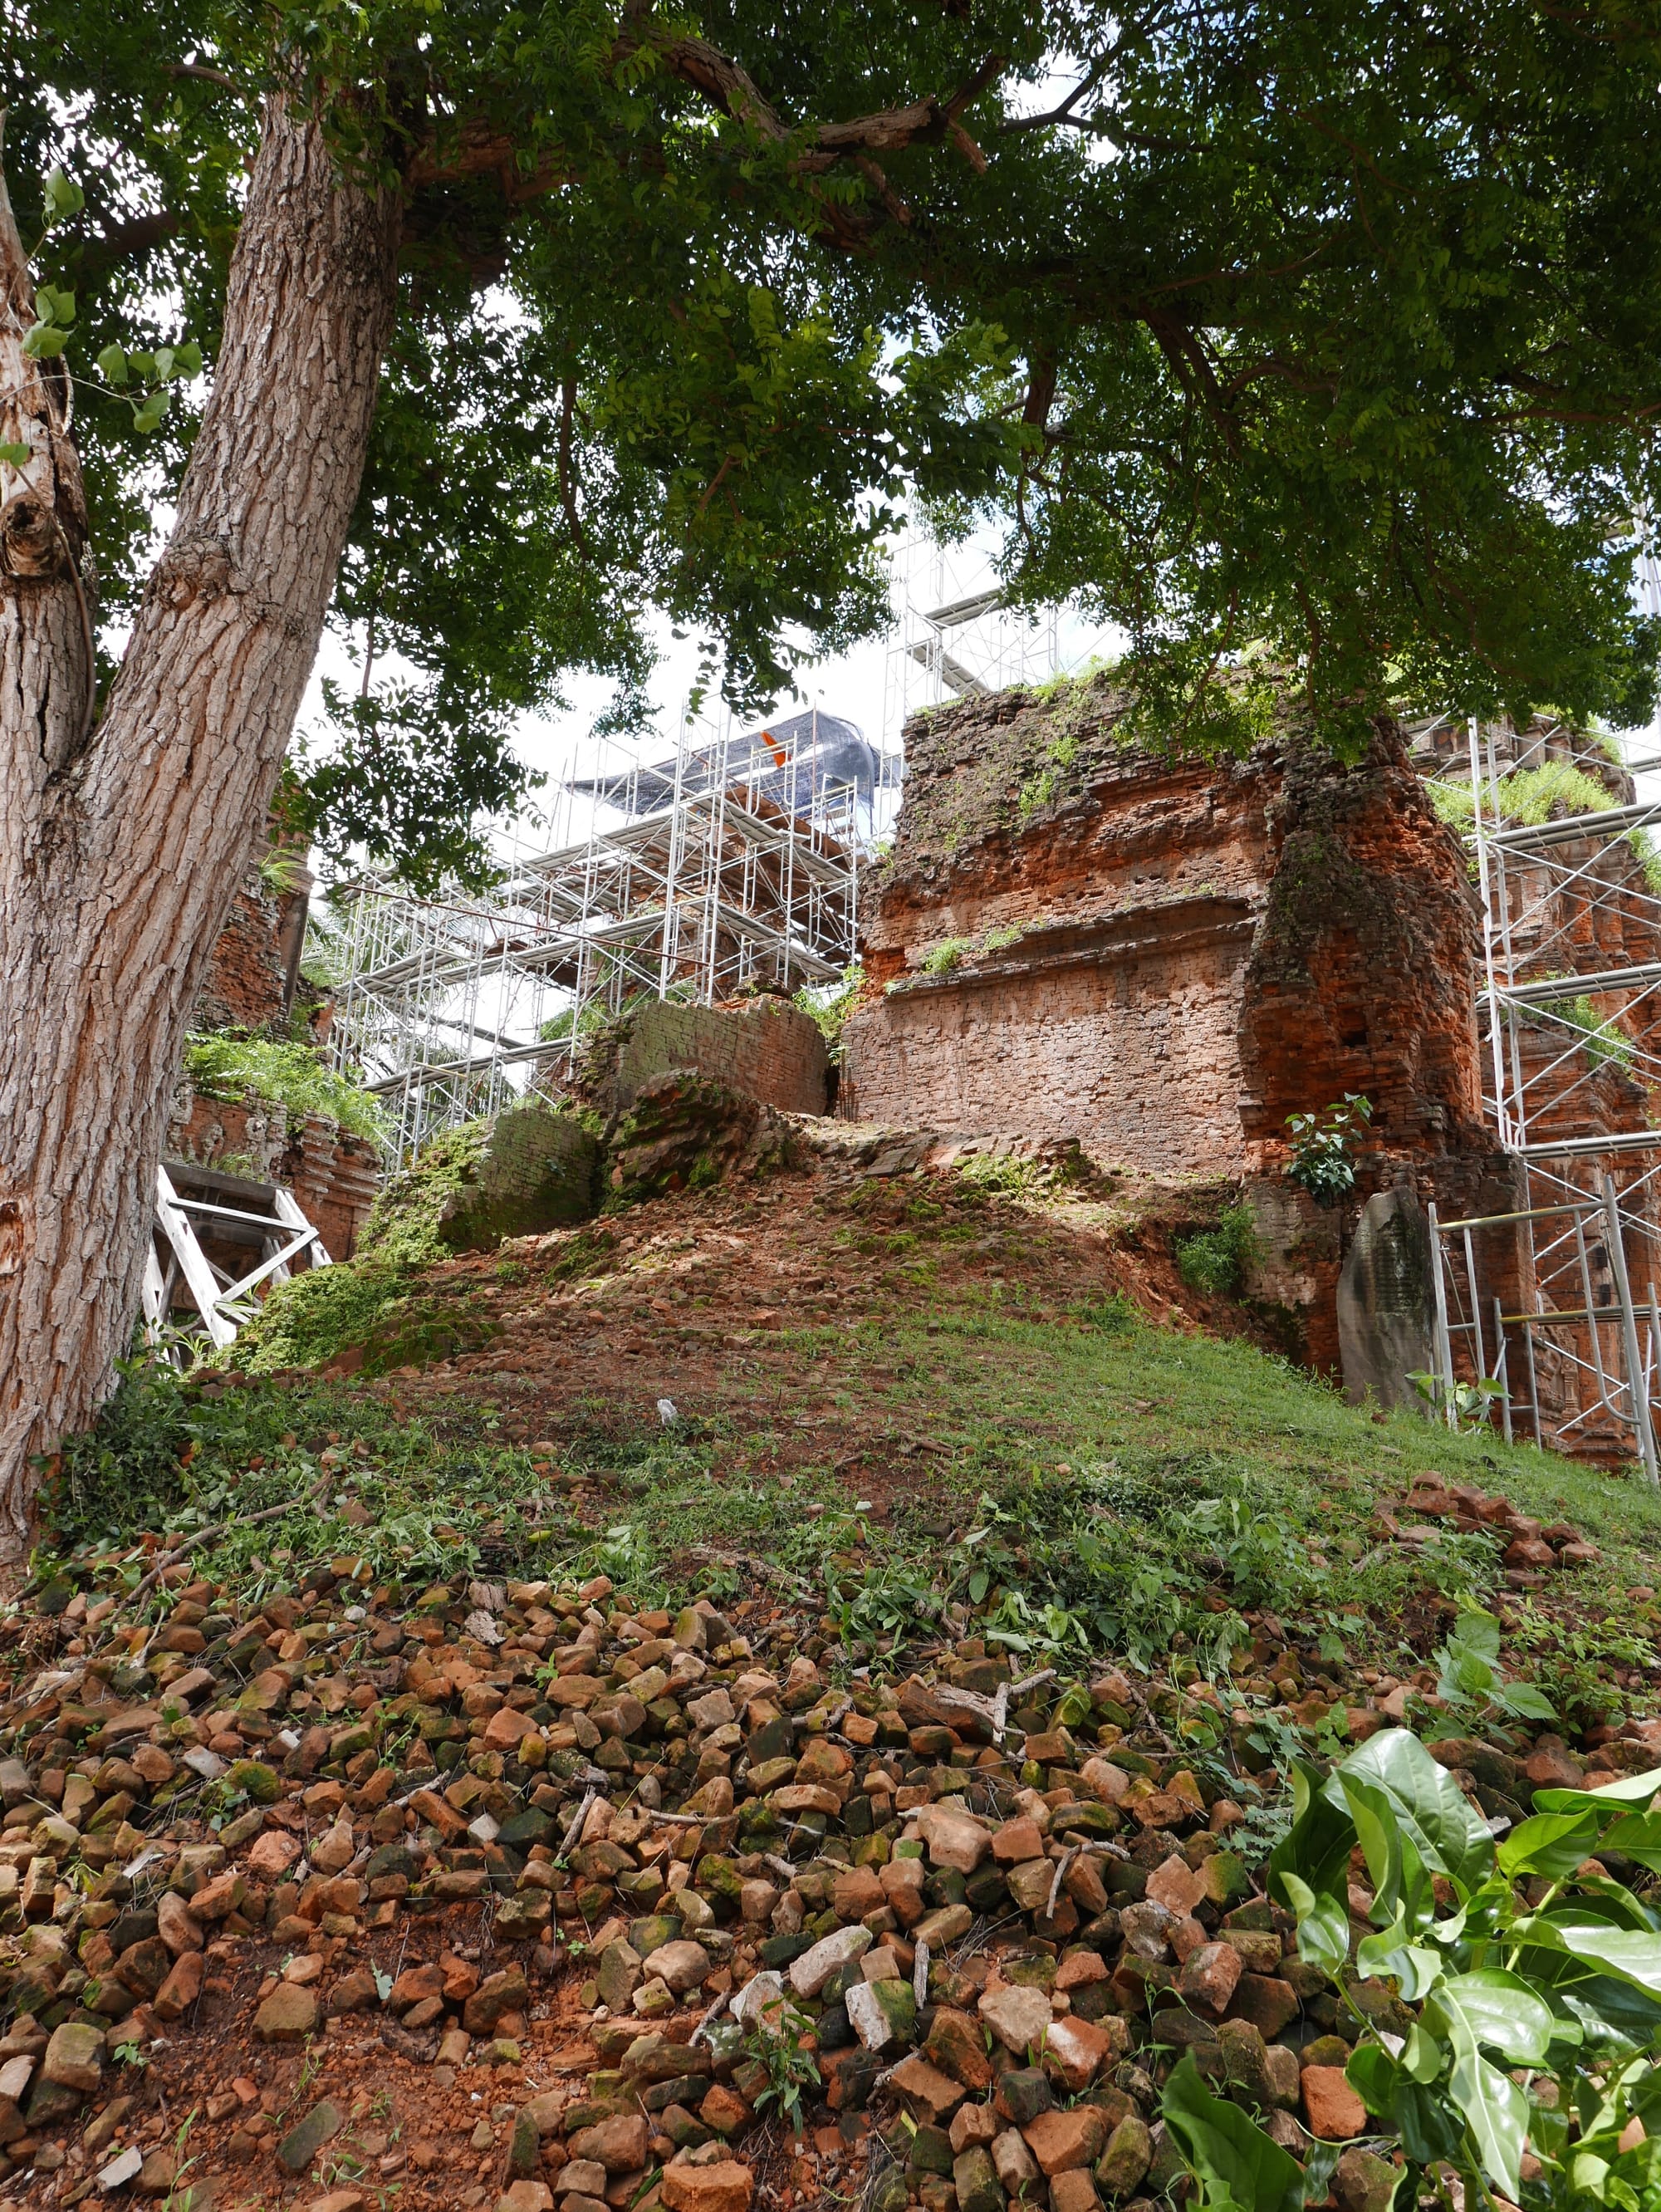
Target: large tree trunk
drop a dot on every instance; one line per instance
(121, 846)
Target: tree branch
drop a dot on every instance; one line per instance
(208, 76)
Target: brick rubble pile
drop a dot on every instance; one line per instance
(584, 1882)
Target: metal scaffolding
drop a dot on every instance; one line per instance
(1535, 1307)
(733, 866)
(955, 636)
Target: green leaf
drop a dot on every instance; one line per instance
(1501, 2010)
(54, 304)
(1416, 1968)
(1450, 1836)
(1598, 2007)
(1317, 1847)
(1496, 2113)
(1524, 1702)
(149, 416)
(1635, 1956)
(1320, 2164)
(1323, 1926)
(1549, 1844)
(163, 363)
(1423, 2057)
(1402, 1889)
(1375, 2077)
(1429, 2130)
(112, 364)
(187, 358)
(1228, 2152)
(1476, 1631)
(44, 342)
(15, 455)
(61, 195)
(1635, 1835)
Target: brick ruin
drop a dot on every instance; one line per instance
(255, 970)
(253, 987)
(1079, 939)
(764, 1046)
(1163, 957)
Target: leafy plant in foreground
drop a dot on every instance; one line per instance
(1215, 1261)
(1469, 1672)
(776, 2040)
(1534, 1977)
(1471, 1403)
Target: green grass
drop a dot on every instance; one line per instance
(1073, 1484)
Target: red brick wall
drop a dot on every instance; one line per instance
(334, 1175)
(256, 958)
(1198, 950)
(766, 1048)
(1124, 1034)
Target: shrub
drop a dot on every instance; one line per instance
(941, 959)
(1606, 1046)
(366, 1300)
(829, 1005)
(289, 1076)
(1321, 1143)
(1215, 1261)
(1506, 2002)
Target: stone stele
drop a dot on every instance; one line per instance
(1385, 1301)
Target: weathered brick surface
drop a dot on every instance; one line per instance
(1162, 958)
(538, 1169)
(249, 979)
(334, 1175)
(766, 1049)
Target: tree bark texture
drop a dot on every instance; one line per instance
(121, 845)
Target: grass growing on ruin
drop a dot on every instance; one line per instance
(289, 1077)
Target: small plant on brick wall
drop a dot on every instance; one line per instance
(1323, 1147)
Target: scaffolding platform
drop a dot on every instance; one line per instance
(733, 866)
(1556, 1303)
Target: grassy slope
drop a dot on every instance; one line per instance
(891, 1396)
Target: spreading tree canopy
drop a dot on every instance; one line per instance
(1323, 337)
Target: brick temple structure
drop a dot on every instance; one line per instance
(1164, 957)
(252, 986)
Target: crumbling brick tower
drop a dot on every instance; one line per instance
(1165, 957)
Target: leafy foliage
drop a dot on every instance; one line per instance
(829, 1005)
(1534, 1981)
(1215, 1261)
(374, 1300)
(1471, 1404)
(1606, 1044)
(1469, 1673)
(291, 1076)
(1341, 361)
(777, 2039)
(1321, 1143)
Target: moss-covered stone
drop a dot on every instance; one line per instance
(534, 1168)
(684, 1132)
(537, 1169)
